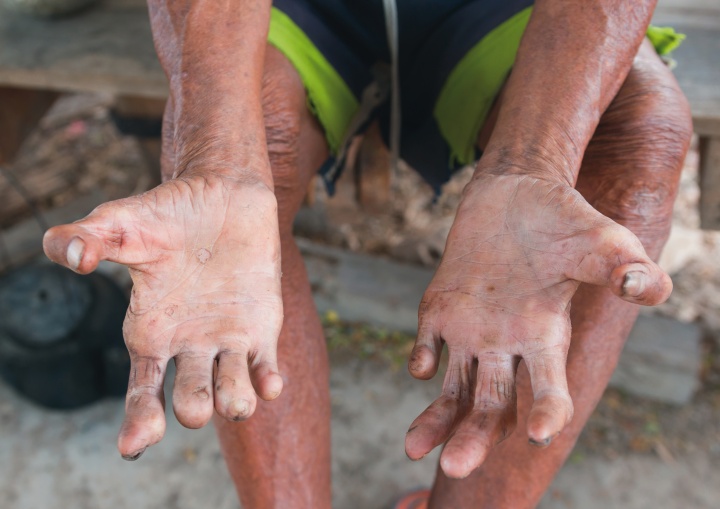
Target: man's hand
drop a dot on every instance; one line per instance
(204, 256)
(515, 256)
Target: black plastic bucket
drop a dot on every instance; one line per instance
(61, 341)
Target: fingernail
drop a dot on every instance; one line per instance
(540, 443)
(240, 410)
(133, 457)
(75, 251)
(634, 284)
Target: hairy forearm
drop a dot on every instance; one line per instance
(213, 53)
(571, 63)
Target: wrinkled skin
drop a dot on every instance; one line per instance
(201, 292)
(521, 198)
(502, 293)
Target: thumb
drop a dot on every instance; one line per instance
(81, 245)
(615, 258)
(74, 247)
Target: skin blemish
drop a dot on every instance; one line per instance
(203, 255)
(170, 310)
(491, 288)
(201, 393)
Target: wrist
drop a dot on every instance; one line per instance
(542, 164)
(233, 153)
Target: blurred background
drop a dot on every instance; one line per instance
(80, 100)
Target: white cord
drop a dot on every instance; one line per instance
(391, 28)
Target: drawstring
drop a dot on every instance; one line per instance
(391, 28)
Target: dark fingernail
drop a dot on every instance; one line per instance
(634, 284)
(133, 457)
(540, 443)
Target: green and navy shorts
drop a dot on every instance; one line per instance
(454, 56)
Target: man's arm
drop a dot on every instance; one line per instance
(213, 54)
(203, 248)
(524, 239)
(572, 60)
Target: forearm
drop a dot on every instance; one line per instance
(572, 60)
(213, 54)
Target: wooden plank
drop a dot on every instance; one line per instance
(20, 111)
(107, 48)
(710, 183)
(697, 71)
(706, 126)
(146, 107)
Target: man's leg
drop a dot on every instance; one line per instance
(630, 173)
(280, 457)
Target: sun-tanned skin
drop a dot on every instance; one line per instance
(207, 247)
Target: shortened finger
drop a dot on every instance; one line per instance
(193, 389)
(235, 398)
(479, 431)
(553, 408)
(550, 413)
(265, 375)
(144, 423)
(425, 356)
(432, 427)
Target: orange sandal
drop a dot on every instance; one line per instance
(415, 500)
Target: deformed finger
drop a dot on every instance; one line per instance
(479, 431)
(425, 357)
(432, 427)
(193, 389)
(235, 398)
(492, 419)
(552, 409)
(265, 375)
(144, 423)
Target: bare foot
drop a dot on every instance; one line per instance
(515, 256)
(204, 256)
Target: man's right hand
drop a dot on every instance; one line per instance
(204, 256)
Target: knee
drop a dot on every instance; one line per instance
(650, 122)
(641, 145)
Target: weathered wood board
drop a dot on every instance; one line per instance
(107, 48)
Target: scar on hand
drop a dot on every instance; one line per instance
(203, 255)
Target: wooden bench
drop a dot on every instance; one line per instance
(109, 49)
(698, 72)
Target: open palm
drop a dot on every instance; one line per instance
(204, 256)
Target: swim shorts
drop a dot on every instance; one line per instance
(453, 58)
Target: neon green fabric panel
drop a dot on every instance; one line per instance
(469, 92)
(329, 97)
(665, 39)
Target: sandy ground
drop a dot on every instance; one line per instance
(68, 460)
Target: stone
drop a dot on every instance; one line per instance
(661, 360)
